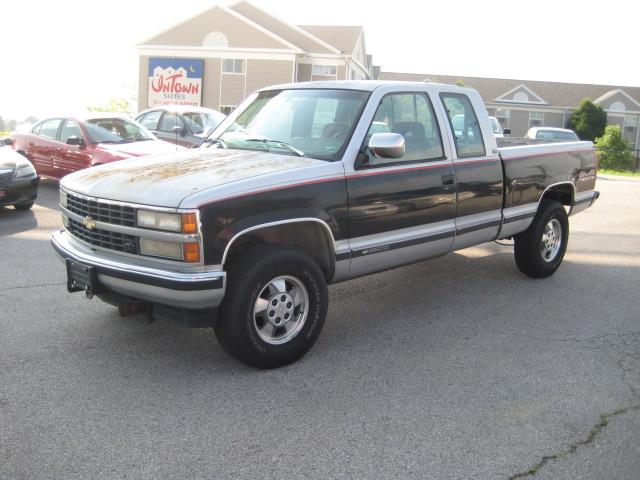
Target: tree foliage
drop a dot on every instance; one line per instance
(613, 151)
(116, 105)
(588, 121)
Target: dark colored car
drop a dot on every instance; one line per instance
(61, 145)
(18, 180)
(182, 125)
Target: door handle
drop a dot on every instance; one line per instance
(448, 179)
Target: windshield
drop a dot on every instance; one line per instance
(495, 124)
(310, 122)
(116, 130)
(202, 122)
(556, 135)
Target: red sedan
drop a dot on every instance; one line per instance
(61, 145)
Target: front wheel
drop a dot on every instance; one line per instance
(274, 307)
(539, 250)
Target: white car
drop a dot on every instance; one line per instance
(497, 128)
(550, 133)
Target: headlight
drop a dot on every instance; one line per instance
(63, 198)
(25, 170)
(172, 222)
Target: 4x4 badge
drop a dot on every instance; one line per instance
(89, 222)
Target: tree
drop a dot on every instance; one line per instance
(589, 120)
(460, 83)
(118, 105)
(613, 151)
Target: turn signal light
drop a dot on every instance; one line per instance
(191, 252)
(189, 223)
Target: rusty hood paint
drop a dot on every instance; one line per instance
(165, 180)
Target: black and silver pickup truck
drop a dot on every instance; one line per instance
(309, 184)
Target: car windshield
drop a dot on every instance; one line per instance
(116, 130)
(202, 122)
(495, 125)
(311, 122)
(556, 135)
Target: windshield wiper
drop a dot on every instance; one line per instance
(217, 141)
(278, 143)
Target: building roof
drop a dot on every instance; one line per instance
(291, 33)
(343, 38)
(555, 94)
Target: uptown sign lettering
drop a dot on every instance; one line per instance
(175, 82)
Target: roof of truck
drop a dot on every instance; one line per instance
(363, 85)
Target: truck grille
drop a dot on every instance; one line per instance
(102, 211)
(5, 176)
(103, 238)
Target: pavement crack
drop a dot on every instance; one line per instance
(31, 286)
(593, 433)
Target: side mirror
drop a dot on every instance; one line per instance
(387, 145)
(506, 131)
(179, 131)
(75, 140)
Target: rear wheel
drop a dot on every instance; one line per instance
(23, 206)
(540, 249)
(274, 307)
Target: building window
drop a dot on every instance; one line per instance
(503, 116)
(215, 40)
(536, 119)
(521, 97)
(233, 65)
(329, 70)
(617, 107)
(630, 123)
(227, 109)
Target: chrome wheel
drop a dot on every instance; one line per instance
(280, 311)
(551, 240)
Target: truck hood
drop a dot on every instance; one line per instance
(165, 180)
(139, 149)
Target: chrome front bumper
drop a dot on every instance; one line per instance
(191, 290)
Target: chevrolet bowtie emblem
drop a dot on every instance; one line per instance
(89, 222)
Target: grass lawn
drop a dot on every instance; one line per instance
(624, 173)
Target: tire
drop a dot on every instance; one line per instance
(24, 206)
(293, 292)
(537, 251)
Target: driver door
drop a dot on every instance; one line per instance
(402, 210)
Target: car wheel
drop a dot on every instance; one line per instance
(274, 306)
(539, 250)
(23, 206)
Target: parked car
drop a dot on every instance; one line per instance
(182, 125)
(246, 232)
(498, 132)
(58, 146)
(550, 133)
(18, 180)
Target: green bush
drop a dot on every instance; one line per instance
(613, 151)
(588, 121)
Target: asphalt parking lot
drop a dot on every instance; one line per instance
(460, 367)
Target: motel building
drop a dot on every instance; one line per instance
(222, 55)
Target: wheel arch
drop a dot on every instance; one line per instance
(311, 235)
(563, 192)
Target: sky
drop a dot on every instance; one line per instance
(64, 55)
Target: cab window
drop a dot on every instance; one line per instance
(150, 120)
(411, 115)
(49, 128)
(170, 121)
(70, 129)
(464, 125)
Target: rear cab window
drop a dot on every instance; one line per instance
(464, 125)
